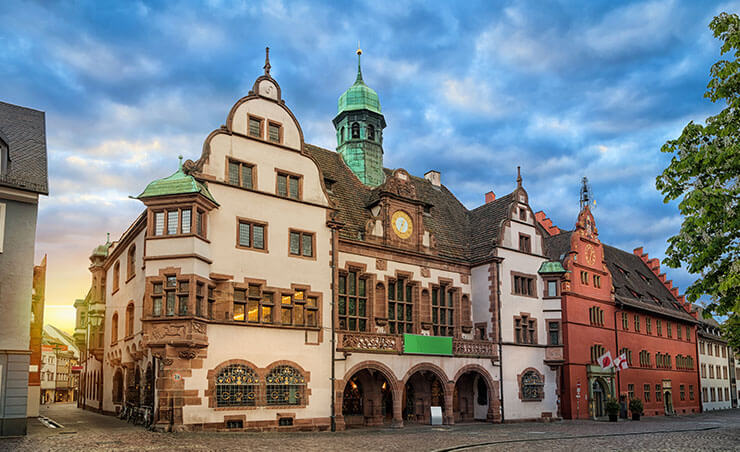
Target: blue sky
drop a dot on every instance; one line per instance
(474, 89)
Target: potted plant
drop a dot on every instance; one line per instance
(636, 409)
(612, 409)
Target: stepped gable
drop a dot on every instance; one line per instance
(23, 130)
(455, 229)
(486, 221)
(637, 286)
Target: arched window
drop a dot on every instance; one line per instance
(285, 386)
(370, 132)
(130, 319)
(341, 134)
(130, 263)
(118, 387)
(355, 130)
(116, 275)
(531, 385)
(236, 385)
(114, 328)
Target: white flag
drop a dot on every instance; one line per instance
(605, 360)
(621, 362)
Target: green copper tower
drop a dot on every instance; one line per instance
(359, 124)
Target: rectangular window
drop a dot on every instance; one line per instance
(186, 221)
(159, 223)
(678, 332)
(251, 235)
(255, 127)
(553, 329)
(353, 302)
(275, 133)
(200, 220)
(625, 322)
(646, 392)
(525, 330)
(240, 305)
(658, 327)
(172, 217)
(211, 301)
(584, 278)
(682, 391)
(669, 329)
(631, 391)
(157, 291)
(525, 243)
(658, 393)
(442, 311)
(241, 174)
(648, 327)
(199, 293)
(400, 307)
(637, 323)
(552, 288)
(183, 299)
(288, 186)
(301, 243)
(691, 392)
(597, 281)
(170, 303)
(523, 285)
(688, 333)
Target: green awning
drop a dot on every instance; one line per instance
(427, 345)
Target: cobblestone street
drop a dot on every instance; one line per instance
(93, 432)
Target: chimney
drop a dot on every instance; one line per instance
(433, 177)
(490, 197)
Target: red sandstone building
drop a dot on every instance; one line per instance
(619, 302)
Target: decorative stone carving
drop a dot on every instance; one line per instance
(199, 327)
(482, 349)
(425, 272)
(369, 342)
(188, 354)
(161, 332)
(464, 278)
(381, 264)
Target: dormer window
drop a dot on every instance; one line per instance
(255, 127)
(355, 130)
(4, 158)
(370, 132)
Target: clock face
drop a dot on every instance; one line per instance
(402, 225)
(590, 255)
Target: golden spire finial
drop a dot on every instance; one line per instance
(359, 50)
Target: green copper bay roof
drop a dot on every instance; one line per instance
(178, 183)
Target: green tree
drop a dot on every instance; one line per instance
(704, 173)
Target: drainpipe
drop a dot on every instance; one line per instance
(500, 346)
(334, 258)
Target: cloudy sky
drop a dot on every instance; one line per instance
(563, 89)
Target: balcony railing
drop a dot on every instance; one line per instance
(387, 343)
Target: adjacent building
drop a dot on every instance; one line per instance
(619, 302)
(38, 301)
(715, 365)
(23, 177)
(59, 357)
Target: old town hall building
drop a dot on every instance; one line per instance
(272, 284)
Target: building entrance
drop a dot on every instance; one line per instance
(471, 398)
(422, 391)
(367, 399)
(598, 398)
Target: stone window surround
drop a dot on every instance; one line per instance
(542, 382)
(266, 228)
(535, 339)
(546, 293)
(302, 233)
(288, 174)
(527, 240)
(533, 293)
(241, 163)
(262, 373)
(560, 331)
(195, 208)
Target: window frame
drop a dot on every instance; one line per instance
(252, 222)
(550, 330)
(195, 211)
(547, 293)
(531, 286)
(525, 329)
(261, 121)
(449, 294)
(279, 125)
(116, 277)
(343, 296)
(130, 262)
(241, 165)
(409, 288)
(301, 234)
(525, 243)
(288, 175)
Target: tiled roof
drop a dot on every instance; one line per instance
(24, 130)
(634, 283)
(452, 224)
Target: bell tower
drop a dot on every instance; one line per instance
(359, 124)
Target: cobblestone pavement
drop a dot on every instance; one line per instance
(85, 431)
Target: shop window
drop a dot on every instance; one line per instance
(285, 385)
(237, 385)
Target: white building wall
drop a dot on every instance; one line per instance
(719, 382)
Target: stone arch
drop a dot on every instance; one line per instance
(118, 386)
(446, 385)
(431, 368)
(373, 365)
(210, 393)
(494, 403)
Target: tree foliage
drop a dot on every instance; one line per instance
(704, 173)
